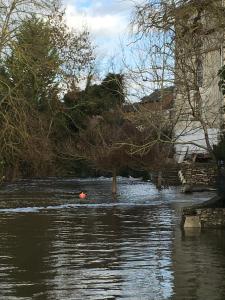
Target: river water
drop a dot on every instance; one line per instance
(54, 246)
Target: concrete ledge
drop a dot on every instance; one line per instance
(188, 188)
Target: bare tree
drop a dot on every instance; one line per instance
(181, 43)
(75, 48)
(13, 11)
(35, 53)
(111, 143)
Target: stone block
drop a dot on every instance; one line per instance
(192, 222)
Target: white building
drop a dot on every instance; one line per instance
(200, 55)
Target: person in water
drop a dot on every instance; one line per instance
(82, 195)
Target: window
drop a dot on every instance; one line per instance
(199, 72)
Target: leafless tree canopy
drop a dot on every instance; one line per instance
(180, 43)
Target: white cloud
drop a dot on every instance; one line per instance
(102, 25)
(108, 22)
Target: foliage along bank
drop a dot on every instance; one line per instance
(49, 125)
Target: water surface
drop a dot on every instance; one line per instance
(54, 246)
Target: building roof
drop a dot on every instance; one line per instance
(159, 99)
(159, 95)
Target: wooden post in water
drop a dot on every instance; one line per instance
(114, 183)
(159, 180)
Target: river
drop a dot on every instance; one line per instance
(54, 246)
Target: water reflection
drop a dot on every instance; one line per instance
(127, 248)
(199, 264)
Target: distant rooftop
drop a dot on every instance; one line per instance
(157, 95)
(151, 101)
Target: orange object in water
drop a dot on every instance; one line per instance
(82, 195)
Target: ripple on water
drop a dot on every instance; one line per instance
(53, 246)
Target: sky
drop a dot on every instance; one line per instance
(107, 20)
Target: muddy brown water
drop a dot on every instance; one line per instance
(54, 246)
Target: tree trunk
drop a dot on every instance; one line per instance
(114, 184)
(159, 180)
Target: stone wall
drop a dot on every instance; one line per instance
(204, 217)
(199, 173)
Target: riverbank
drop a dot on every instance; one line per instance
(210, 214)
